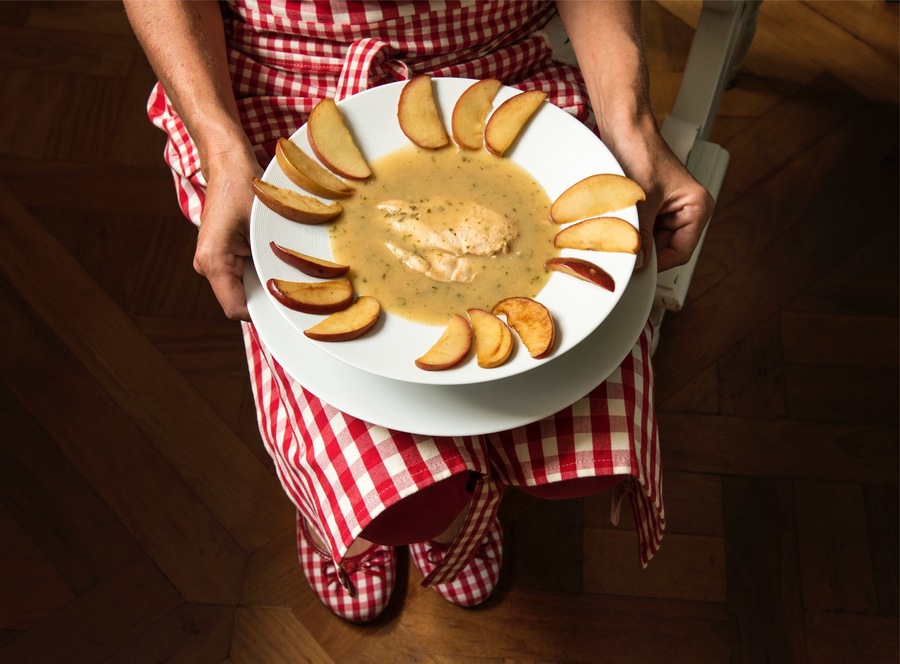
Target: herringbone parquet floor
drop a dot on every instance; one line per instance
(141, 521)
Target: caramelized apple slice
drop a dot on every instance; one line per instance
(291, 205)
(595, 196)
(312, 297)
(333, 143)
(314, 267)
(306, 173)
(470, 111)
(532, 322)
(508, 120)
(352, 322)
(578, 267)
(418, 114)
(493, 338)
(450, 349)
(600, 234)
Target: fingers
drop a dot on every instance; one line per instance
(229, 291)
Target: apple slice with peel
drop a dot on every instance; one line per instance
(314, 267)
(333, 143)
(532, 322)
(352, 322)
(508, 120)
(450, 349)
(291, 205)
(583, 269)
(313, 297)
(493, 338)
(600, 234)
(418, 114)
(595, 196)
(470, 112)
(306, 173)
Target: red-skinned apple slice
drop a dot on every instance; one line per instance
(600, 234)
(532, 322)
(583, 269)
(595, 196)
(418, 115)
(493, 338)
(507, 121)
(352, 322)
(470, 112)
(306, 173)
(291, 205)
(314, 267)
(450, 349)
(313, 297)
(333, 143)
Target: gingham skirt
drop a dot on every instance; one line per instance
(342, 472)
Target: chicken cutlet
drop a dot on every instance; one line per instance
(439, 239)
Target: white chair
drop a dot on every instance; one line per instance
(723, 35)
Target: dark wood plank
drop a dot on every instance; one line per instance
(765, 619)
(59, 509)
(234, 486)
(883, 525)
(189, 634)
(751, 376)
(159, 509)
(832, 537)
(837, 638)
(689, 567)
(773, 448)
(845, 341)
(100, 621)
(842, 394)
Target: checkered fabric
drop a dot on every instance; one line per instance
(475, 583)
(371, 575)
(342, 472)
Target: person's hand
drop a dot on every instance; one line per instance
(223, 243)
(677, 207)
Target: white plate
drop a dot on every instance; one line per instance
(555, 148)
(458, 410)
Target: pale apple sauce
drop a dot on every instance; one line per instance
(436, 232)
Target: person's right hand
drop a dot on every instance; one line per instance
(224, 243)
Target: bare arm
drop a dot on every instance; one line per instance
(185, 44)
(608, 43)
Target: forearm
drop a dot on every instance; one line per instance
(185, 44)
(608, 43)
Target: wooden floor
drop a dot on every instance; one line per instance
(141, 521)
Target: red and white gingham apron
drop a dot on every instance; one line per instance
(340, 471)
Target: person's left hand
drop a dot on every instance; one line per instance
(677, 207)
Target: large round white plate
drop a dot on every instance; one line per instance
(458, 410)
(554, 147)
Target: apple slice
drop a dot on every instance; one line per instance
(333, 143)
(578, 267)
(600, 234)
(352, 322)
(470, 111)
(595, 196)
(313, 297)
(508, 120)
(532, 322)
(418, 114)
(450, 349)
(493, 338)
(314, 267)
(306, 173)
(291, 205)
